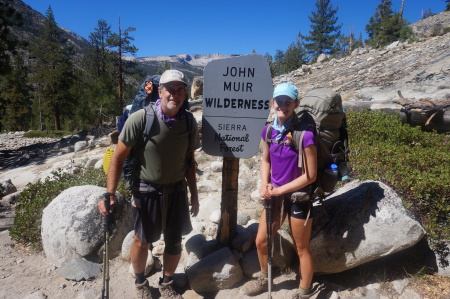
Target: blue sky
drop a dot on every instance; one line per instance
(209, 27)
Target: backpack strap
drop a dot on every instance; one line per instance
(298, 141)
(269, 140)
(149, 118)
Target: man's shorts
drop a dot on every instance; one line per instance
(148, 210)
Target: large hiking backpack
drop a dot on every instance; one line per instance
(321, 110)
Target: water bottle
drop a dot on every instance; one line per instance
(332, 170)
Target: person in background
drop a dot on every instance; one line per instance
(281, 176)
(159, 189)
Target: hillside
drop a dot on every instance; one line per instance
(420, 70)
(33, 20)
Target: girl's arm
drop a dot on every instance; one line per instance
(309, 177)
(266, 185)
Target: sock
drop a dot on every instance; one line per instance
(140, 278)
(264, 274)
(166, 279)
(303, 291)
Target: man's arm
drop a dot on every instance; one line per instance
(114, 172)
(192, 183)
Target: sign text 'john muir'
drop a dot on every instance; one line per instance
(236, 96)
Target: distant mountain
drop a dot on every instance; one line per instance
(191, 65)
(33, 20)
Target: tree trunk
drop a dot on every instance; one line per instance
(57, 118)
(402, 8)
(120, 71)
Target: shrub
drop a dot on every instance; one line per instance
(35, 197)
(413, 162)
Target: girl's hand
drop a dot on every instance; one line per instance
(265, 191)
(275, 191)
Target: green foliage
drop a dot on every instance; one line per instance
(427, 14)
(45, 134)
(407, 34)
(324, 31)
(16, 96)
(415, 163)
(384, 26)
(9, 18)
(33, 200)
(53, 74)
(294, 56)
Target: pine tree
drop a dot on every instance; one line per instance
(294, 56)
(269, 59)
(121, 42)
(324, 31)
(9, 18)
(277, 63)
(16, 94)
(98, 52)
(99, 78)
(448, 5)
(53, 72)
(384, 26)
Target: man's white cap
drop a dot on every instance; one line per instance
(172, 76)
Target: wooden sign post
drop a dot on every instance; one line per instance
(236, 96)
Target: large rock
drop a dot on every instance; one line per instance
(72, 226)
(359, 223)
(218, 271)
(6, 187)
(432, 26)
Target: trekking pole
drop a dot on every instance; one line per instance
(269, 222)
(105, 287)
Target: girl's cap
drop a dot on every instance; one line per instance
(286, 89)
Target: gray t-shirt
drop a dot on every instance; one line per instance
(164, 159)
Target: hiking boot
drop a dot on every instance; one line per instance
(167, 291)
(143, 290)
(301, 295)
(254, 287)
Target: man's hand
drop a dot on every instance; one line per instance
(195, 205)
(104, 207)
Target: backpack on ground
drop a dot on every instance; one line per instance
(322, 110)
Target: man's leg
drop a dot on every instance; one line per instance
(139, 254)
(170, 263)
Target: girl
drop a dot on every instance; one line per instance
(280, 178)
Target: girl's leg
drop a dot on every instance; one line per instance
(261, 237)
(301, 235)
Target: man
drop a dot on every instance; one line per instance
(159, 193)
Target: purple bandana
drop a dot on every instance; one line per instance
(166, 119)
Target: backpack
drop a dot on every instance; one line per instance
(321, 112)
(130, 162)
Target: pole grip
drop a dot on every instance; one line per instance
(107, 222)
